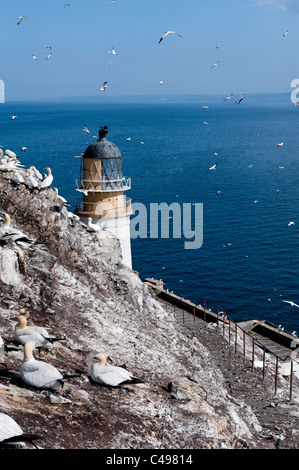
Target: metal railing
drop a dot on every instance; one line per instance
(99, 186)
(236, 336)
(104, 209)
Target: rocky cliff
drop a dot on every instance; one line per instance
(73, 283)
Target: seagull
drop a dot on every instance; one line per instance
(215, 64)
(167, 33)
(104, 87)
(291, 303)
(111, 376)
(38, 374)
(280, 145)
(21, 18)
(38, 334)
(112, 51)
(93, 227)
(12, 434)
(48, 180)
(285, 34)
(291, 223)
(213, 167)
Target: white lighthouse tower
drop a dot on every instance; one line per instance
(103, 186)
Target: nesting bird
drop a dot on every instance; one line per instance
(31, 182)
(93, 227)
(38, 334)
(111, 376)
(12, 434)
(48, 180)
(9, 235)
(38, 374)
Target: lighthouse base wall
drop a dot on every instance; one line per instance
(120, 228)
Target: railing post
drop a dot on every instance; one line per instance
(276, 374)
(291, 381)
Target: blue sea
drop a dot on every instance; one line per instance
(248, 262)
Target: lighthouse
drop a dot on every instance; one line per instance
(103, 187)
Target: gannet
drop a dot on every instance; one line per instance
(48, 180)
(31, 181)
(213, 167)
(10, 235)
(111, 376)
(285, 34)
(11, 433)
(21, 18)
(34, 57)
(215, 64)
(291, 303)
(38, 334)
(10, 153)
(167, 33)
(13, 118)
(239, 101)
(17, 177)
(85, 129)
(104, 87)
(38, 374)
(61, 198)
(280, 145)
(291, 223)
(93, 227)
(37, 174)
(112, 51)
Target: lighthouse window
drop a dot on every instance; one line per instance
(112, 172)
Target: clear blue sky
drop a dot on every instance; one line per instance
(254, 57)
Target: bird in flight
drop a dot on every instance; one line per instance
(34, 57)
(13, 118)
(291, 303)
(285, 34)
(215, 64)
(218, 44)
(228, 97)
(85, 129)
(280, 145)
(167, 33)
(104, 87)
(161, 82)
(113, 51)
(213, 167)
(239, 101)
(21, 18)
(291, 223)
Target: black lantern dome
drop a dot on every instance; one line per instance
(102, 148)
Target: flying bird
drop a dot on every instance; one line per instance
(239, 101)
(285, 34)
(280, 145)
(213, 167)
(218, 44)
(13, 118)
(291, 223)
(167, 33)
(112, 51)
(215, 64)
(85, 129)
(228, 97)
(21, 18)
(291, 303)
(34, 57)
(104, 86)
